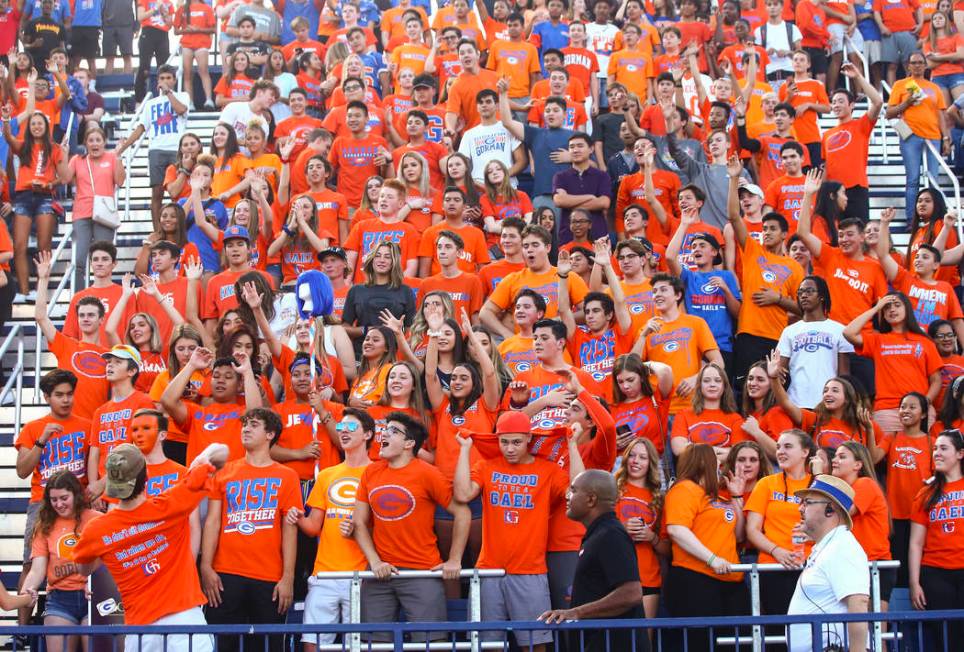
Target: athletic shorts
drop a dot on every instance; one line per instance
(173, 642)
(84, 42)
(119, 40)
(897, 47)
(422, 599)
(516, 597)
(838, 37)
(818, 60)
(157, 162)
(328, 602)
(949, 82)
(872, 51)
(69, 605)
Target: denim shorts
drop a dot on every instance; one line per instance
(71, 605)
(949, 82)
(32, 204)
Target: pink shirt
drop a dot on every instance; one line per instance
(103, 173)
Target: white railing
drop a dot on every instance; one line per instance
(759, 639)
(933, 176)
(51, 303)
(474, 612)
(16, 376)
(128, 156)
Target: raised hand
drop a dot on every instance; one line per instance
(43, 262)
(519, 392)
(813, 181)
(887, 215)
(193, 269)
(392, 322)
(127, 288)
(603, 251)
(563, 266)
(201, 358)
(149, 286)
(251, 296)
(733, 166)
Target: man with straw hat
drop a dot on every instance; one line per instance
(835, 578)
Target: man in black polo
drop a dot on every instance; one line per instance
(606, 583)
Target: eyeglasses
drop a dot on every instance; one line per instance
(945, 336)
(392, 430)
(347, 426)
(808, 503)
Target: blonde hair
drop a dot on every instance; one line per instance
(154, 346)
(422, 184)
(395, 275)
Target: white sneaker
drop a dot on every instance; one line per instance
(32, 296)
(210, 106)
(19, 299)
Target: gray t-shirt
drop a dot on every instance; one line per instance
(712, 179)
(118, 13)
(266, 21)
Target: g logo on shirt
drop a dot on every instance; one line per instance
(341, 492)
(246, 528)
(391, 502)
(838, 140)
(88, 363)
(628, 508)
(64, 545)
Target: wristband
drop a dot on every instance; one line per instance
(288, 231)
(735, 496)
(433, 333)
(517, 406)
(709, 562)
(40, 444)
(562, 275)
(775, 546)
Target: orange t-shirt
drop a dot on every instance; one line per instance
(478, 417)
(809, 91)
(370, 385)
(368, 233)
(109, 425)
(681, 344)
(632, 190)
(41, 169)
(545, 283)
(855, 285)
(845, 150)
(157, 570)
(109, 296)
(296, 127)
(474, 254)
(430, 150)
(227, 174)
(581, 63)
(949, 273)
(647, 417)
(392, 22)
(466, 290)
(213, 423)
(198, 378)
(57, 546)
(65, 451)
(327, 375)
(903, 362)
(296, 433)
(170, 175)
(931, 301)
(633, 69)
(713, 427)
(637, 502)
(334, 494)
(871, 520)
(174, 293)
(923, 117)
(541, 381)
(152, 364)
(517, 60)
(84, 360)
(639, 300)
(575, 90)
(461, 99)
(402, 502)
(833, 432)
(944, 539)
(712, 521)
(773, 498)
(254, 502)
(596, 353)
(237, 90)
(909, 465)
(945, 45)
(493, 273)
(517, 353)
(517, 500)
(353, 159)
(785, 195)
(162, 476)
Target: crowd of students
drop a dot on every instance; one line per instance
(599, 236)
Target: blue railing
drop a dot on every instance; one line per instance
(923, 631)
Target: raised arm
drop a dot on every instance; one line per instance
(516, 128)
(46, 326)
(463, 488)
(563, 269)
(433, 386)
(491, 385)
(201, 358)
(811, 186)
(775, 371)
(676, 243)
(149, 287)
(865, 87)
(605, 260)
(883, 244)
(114, 319)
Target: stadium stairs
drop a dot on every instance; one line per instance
(887, 189)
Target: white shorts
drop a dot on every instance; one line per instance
(328, 603)
(173, 642)
(838, 34)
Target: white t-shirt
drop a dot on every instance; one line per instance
(162, 125)
(812, 347)
(835, 569)
(777, 40)
(238, 115)
(484, 143)
(601, 40)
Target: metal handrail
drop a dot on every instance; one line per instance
(128, 157)
(16, 379)
(935, 182)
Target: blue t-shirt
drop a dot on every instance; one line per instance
(551, 36)
(868, 28)
(61, 10)
(703, 300)
(87, 13)
(214, 208)
(374, 63)
(295, 9)
(541, 142)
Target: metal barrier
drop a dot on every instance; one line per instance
(475, 602)
(754, 571)
(663, 630)
(16, 376)
(128, 156)
(51, 303)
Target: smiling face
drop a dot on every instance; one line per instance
(140, 332)
(525, 312)
(757, 383)
(374, 344)
(400, 383)
(946, 340)
(62, 502)
(834, 397)
(946, 456)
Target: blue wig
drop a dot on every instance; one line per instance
(322, 297)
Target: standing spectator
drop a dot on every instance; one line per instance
(920, 104)
(243, 588)
(491, 141)
(156, 18)
(552, 34)
(517, 59)
(99, 173)
(240, 114)
(582, 186)
(460, 108)
(308, 11)
(779, 38)
(9, 29)
(95, 102)
(119, 29)
(74, 101)
(942, 48)
(900, 22)
(165, 120)
(194, 22)
(846, 146)
(601, 34)
(808, 98)
(85, 34)
(267, 23)
(42, 34)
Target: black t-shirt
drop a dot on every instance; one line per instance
(605, 129)
(607, 560)
(51, 35)
(364, 304)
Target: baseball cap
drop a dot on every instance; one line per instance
(333, 251)
(123, 465)
(513, 422)
(236, 232)
(423, 80)
(123, 352)
(713, 242)
(166, 245)
(836, 490)
(753, 189)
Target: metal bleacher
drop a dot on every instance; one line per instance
(887, 180)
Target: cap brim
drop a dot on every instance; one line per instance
(119, 490)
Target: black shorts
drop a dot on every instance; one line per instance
(818, 60)
(85, 42)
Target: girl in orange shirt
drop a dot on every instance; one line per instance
(403, 393)
(773, 517)
(639, 506)
(486, 340)
(299, 243)
(235, 84)
(936, 555)
(177, 176)
(748, 461)
(366, 208)
(458, 172)
(704, 525)
(852, 464)
(713, 418)
(172, 227)
(379, 349)
(640, 409)
(62, 517)
(765, 420)
(925, 225)
(413, 172)
(228, 180)
(184, 339)
(436, 301)
(908, 455)
(828, 210)
(500, 200)
(942, 334)
(944, 41)
(194, 22)
(244, 339)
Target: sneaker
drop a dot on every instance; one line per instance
(209, 105)
(32, 296)
(19, 299)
